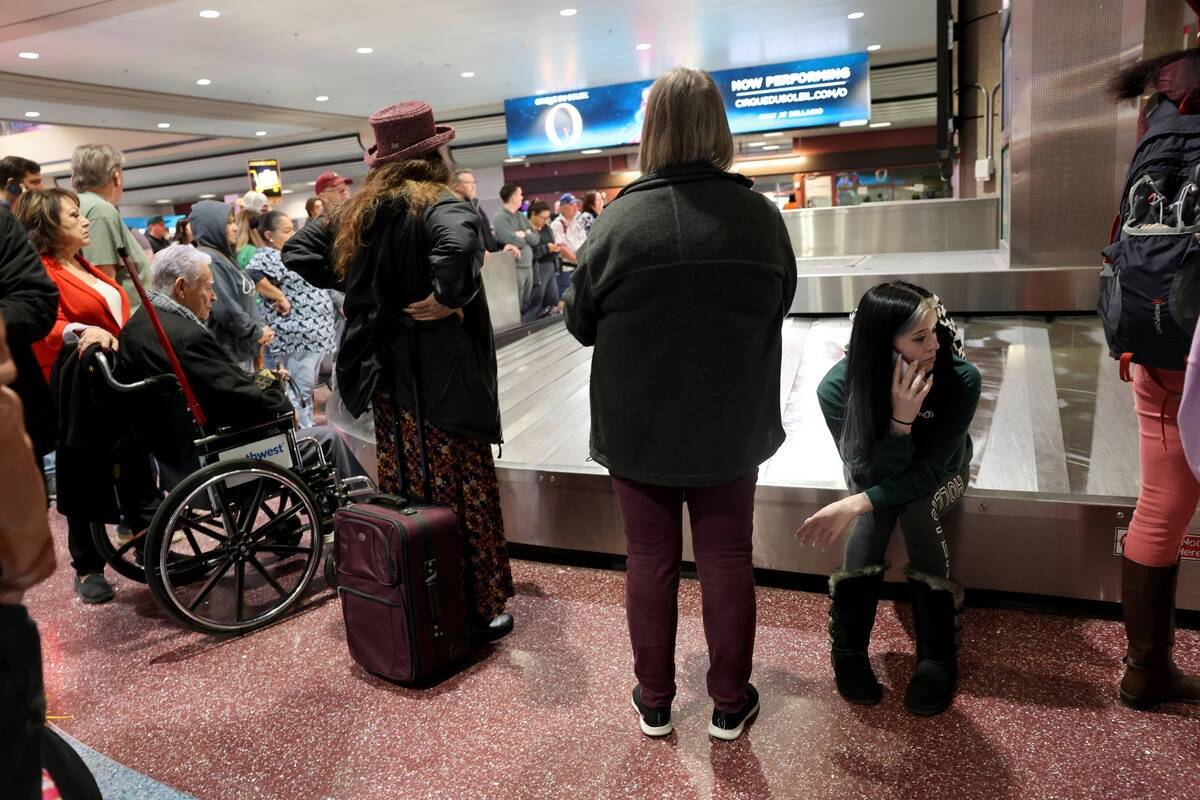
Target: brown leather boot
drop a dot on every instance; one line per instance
(1151, 677)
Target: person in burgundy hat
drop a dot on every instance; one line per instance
(333, 190)
(408, 251)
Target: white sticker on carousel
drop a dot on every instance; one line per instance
(274, 449)
(1189, 550)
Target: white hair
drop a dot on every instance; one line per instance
(175, 262)
(93, 165)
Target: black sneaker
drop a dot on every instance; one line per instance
(728, 725)
(93, 589)
(653, 721)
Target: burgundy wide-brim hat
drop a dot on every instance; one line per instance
(405, 130)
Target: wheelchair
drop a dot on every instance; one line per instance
(235, 545)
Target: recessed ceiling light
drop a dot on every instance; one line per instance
(881, 124)
(311, 183)
(852, 123)
(322, 98)
(871, 48)
(164, 125)
(644, 46)
(775, 133)
(33, 114)
(207, 196)
(772, 147)
(288, 191)
(29, 55)
(203, 82)
(260, 133)
(514, 159)
(209, 13)
(755, 144)
(855, 15)
(468, 74)
(164, 201)
(365, 51)
(590, 152)
(569, 12)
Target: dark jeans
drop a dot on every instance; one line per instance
(85, 558)
(921, 523)
(722, 526)
(22, 705)
(544, 293)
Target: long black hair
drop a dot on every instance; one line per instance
(884, 312)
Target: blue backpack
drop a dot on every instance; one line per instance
(1150, 284)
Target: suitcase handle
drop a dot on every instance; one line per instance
(431, 589)
(392, 500)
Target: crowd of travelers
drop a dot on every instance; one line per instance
(684, 406)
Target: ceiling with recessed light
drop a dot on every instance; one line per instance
(310, 68)
(284, 53)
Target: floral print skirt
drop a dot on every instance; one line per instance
(464, 479)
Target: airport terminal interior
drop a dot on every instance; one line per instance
(970, 147)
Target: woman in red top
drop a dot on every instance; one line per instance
(92, 307)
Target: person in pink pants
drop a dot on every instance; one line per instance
(1169, 490)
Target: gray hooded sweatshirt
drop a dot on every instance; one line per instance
(234, 321)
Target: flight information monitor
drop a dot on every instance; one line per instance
(799, 94)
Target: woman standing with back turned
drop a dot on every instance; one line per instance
(409, 251)
(682, 286)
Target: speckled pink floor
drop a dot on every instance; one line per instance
(285, 713)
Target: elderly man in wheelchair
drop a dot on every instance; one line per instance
(249, 499)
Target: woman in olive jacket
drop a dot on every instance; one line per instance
(682, 287)
(407, 252)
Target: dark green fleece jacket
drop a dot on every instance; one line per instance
(903, 468)
(682, 286)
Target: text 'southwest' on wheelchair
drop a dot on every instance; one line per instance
(234, 546)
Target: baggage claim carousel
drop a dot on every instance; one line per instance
(1054, 475)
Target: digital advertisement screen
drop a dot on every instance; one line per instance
(265, 177)
(799, 94)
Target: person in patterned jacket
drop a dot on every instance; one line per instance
(301, 315)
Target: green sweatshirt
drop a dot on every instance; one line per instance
(904, 468)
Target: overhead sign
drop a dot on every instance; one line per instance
(800, 94)
(265, 177)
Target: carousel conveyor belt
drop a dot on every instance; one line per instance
(1053, 479)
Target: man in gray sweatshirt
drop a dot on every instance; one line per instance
(512, 227)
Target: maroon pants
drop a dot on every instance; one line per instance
(722, 527)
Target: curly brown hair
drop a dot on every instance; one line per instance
(40, 212)
(414, 183)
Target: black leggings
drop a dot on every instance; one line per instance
(920, 520)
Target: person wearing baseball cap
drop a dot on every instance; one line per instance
(568, 231)
(156, 233)
(333, 189)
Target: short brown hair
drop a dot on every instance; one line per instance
(685, 122)
(40, 211)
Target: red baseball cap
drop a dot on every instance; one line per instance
(331, 180)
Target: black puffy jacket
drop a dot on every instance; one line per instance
(404, 260)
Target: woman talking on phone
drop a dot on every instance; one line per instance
(899, 406)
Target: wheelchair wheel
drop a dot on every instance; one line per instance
(122, 550)
(254, 529)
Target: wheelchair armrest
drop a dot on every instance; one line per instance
(100, 364)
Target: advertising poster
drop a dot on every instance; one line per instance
(265, 177)
(800, 94)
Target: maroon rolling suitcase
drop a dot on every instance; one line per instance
(399, 572)
(400, 582)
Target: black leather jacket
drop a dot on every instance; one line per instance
(405, 259)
